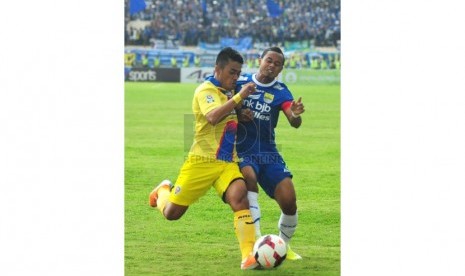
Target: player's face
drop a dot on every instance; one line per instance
(228, 75)
(271, 64)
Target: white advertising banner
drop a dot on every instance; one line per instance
(195, 74)
(198, 74)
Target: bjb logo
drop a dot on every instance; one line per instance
(263, 108)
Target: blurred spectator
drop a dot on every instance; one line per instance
(250, 62)
(197, 61)
(174, 62)
(304, 62)
(145, 61)
(257, 62)
(323, 64)
(129, 59)
(286, 63)
(337, 62)
(315, 63)
(293, 62)
(138, 61)
(146, 35)
(332, 64)
(185, 61)
(156, 61)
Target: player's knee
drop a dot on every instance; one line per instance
(289, 209)
(286, 200)
(236, 195)
(288, 205)
(238, 200)
(252, 186)
(250, 178)
(172, 213)
(171, 216)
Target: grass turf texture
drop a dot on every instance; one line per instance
(202, 242)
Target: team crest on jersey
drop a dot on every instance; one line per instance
(210, 99)
(268, 98)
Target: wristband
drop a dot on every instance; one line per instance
(237, 98)
(294, 116)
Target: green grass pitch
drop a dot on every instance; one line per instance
(202, 242)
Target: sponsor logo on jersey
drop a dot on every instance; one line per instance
(268, 98)
(257, 106)
(262, 117)
(261, 110)
(210, 99)
(254, 97)
(278, 86)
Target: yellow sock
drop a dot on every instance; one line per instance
(245, 231)
(163, 196)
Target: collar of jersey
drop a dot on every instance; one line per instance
(216, 83)
(263, 84)
(213, 80)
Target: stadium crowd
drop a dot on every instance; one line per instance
(188, 22)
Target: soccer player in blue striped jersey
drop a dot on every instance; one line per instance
(260, 160)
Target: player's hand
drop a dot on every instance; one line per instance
(245, 115)
(247, 89)
(297, 108)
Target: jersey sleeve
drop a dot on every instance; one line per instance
(208, 100)
(286, 96)
(285, 105)
(288, 93)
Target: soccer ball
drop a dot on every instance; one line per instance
(270, 251)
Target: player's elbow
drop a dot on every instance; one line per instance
(212, 119)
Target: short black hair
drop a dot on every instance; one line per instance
(273, 49)
(227, 54)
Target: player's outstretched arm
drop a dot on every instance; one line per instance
(294, 111)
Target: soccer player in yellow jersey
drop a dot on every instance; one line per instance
(212, 159)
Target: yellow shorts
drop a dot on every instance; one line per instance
(198, 175)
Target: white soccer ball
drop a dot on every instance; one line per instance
(270, 251)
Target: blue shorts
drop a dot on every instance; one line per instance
(270, 170)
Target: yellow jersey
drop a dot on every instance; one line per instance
(213, 142)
